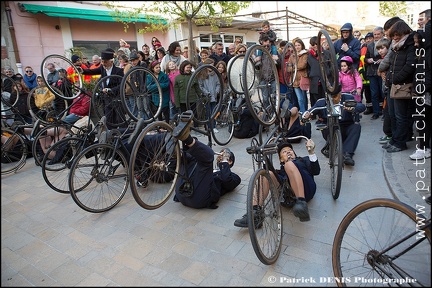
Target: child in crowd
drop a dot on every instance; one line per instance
(382, 46)
(350, 79)
(267, 32)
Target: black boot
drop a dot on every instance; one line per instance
(368, 110)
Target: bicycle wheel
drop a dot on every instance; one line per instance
(13, 151)
(198, 98)
(235, 70)
(154, 165)
(328, 63)
(222, 128)
(336, 163)
(55, 108)
(46, 137)
(109, 104)
(58, 160)
(263, 97)
(61, 62)
(380, 242)
(137, 87)
(265, 230)
(98, 178)
(289, 70)
(8, 85)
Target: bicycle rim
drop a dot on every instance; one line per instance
(328, 63)
(363, 255)
(336, 163)
(222, 128)
(265, 232)
(289, 71)
(13, 151)
(98, 178)
(235, 67)
(9, 85)
(154, 165)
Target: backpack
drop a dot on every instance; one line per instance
(247, 126)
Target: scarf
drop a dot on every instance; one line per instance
(30, 81)
(398, 45)
(313, 53)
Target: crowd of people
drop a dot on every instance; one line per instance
(373, 71)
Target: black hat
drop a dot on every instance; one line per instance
(283, 145)
(75, 58)
(369, 34)
(133, 56)
(107, 55)
(337, 90)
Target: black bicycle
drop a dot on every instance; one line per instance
(383, 242)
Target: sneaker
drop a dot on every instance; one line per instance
(393, 149)
(348, 160)
(386, 146)
(301, 211)
(258, 219)
(421, 154)
(215, 130)
(384, 139)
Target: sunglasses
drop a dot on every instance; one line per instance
(242, 51)
(28, 71)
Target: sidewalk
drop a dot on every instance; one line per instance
(408, 180)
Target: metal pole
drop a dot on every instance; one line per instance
(286, 16)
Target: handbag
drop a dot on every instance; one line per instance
(403, 91)
(304, 83)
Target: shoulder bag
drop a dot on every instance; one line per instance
(403, 91)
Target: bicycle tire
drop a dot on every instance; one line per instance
(224, 125)
(266, 233)
(154, 152)
(55, 109)
(56, 175)
(13, 151)
(61, 62)
(109, 104)
(8, 85)
(234, 71)
(257, 94)
(98, 178)
(135, 84)
(336, 163)
(289, 77)
(36, 148)
(328, 63)
(201, 106)
(366, 232)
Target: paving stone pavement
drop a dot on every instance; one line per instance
(47, 240)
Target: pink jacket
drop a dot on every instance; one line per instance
(172, 76)
(350, 82)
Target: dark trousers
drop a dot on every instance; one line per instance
(350, 137)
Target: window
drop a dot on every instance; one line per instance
(90, 48)
(207, 40)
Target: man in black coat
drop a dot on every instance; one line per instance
(113, 107)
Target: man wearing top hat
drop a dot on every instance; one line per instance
(111, 87)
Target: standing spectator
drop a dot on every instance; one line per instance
(210, 86)
(148, 58)
(316, 90)
(238, 40)
(302, 56)
(53, 74)
(96, 62)
(30, 77)
(160, 53)
(172, 70)
(347, 45)
(185, 52)
(123, 60)
(154, 41)
(372, 60)
(21, 104)
(284, 89)
(173, 54)
(401, 72)
(164, 81)
(366, 92)
(204, 55)
(267, 31)
(124, 46)
(219, 54)
(357, 35)
(222, 68)
(141, 58)
(180, 87)
(231, 50)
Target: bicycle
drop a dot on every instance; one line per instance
(266, 231)
(383, 242)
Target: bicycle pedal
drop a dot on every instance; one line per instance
(186, 116)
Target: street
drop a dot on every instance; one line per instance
(47, 240)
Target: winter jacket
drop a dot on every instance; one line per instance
(353, 44)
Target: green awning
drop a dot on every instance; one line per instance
(87, 14)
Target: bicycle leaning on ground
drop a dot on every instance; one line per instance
(383, 242)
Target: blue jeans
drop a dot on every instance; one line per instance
(72, 118)
(376, 93)
(130, 102)
(301, 98)
(267, 92)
